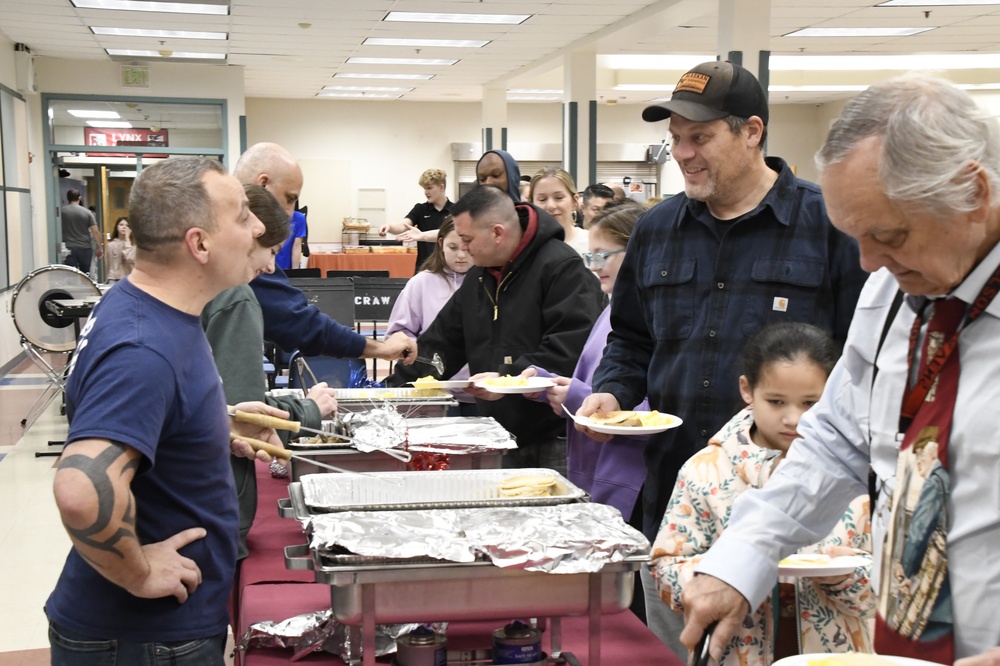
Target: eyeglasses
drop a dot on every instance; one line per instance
(598, 260)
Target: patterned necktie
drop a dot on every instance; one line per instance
(915, 617)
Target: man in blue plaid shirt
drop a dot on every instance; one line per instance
(747, 244)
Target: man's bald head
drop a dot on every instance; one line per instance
(275, 169)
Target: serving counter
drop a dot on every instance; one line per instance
(398, 265)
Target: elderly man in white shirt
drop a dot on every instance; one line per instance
(912, 171)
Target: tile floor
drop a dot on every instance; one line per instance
(33, 544)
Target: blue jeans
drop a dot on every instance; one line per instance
(80, 258)
(69, 648)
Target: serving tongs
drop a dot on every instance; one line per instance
(434, 361)
(266, 421)
(285, 454)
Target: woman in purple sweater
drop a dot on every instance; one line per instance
(612, 472)
(426, 293)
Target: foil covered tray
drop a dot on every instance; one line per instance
(446, 489)
(559, 539)
(457, 432)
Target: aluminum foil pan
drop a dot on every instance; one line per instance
(426, 490)
(466, 434)
(569, 538)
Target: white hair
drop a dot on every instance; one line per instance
(935, 139)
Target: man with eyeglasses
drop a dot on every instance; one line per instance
(745, 245)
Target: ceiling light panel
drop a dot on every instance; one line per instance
(938, 61)
(858, 32)
(186, 55)
(937, 3)
(401, 77)
(210, 8)
(359, 95)
(427, 43)
(110, 124)
(429, 17)
(401, 61)
(86, 113)
(368, 88)
(159, 34)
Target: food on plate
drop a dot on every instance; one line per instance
(527, 485)
(851, 659)
(654, 418)
(806, 559)
(429, 379)
(617, 418)
(630, 419)
(506, 380)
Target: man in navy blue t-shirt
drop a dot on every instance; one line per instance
(144, 486)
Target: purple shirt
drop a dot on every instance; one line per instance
(612, 472)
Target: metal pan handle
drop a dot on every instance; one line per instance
(285, 508)
(298, 557)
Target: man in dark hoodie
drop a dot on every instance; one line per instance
(498, 168)
(528, 300)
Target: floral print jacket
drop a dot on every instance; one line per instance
(830, 618)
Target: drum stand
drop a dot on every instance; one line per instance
(57, 382)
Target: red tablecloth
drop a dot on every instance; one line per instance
(398, 265)
(268, 591)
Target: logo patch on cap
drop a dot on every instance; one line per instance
(694, 82)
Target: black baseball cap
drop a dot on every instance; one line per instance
(710, 91)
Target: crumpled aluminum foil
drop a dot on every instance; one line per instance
(312, 632)
(304, 633)
(379, 428)
(566, 538)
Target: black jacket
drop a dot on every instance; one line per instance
(546, 304)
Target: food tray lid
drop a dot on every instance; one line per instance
(378, 491)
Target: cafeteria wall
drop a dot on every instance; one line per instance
(348, 149)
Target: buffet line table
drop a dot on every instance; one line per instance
(269, 591)
(398, 265)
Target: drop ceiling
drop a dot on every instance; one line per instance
(293, 48)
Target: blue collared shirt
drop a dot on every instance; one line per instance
(686, 300)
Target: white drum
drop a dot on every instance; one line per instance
(38, 325)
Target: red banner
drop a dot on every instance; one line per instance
(95, 136)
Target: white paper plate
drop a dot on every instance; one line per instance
(804, 659)
(442, 384)
(625, 430)
(838, 566)
(534, 385)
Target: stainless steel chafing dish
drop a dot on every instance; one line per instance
(469, 442)
(366, 591)
(409, 401)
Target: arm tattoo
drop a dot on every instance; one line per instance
(98, 471)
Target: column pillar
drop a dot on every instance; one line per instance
(580, 115)
(494, 131)
(745, 35)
